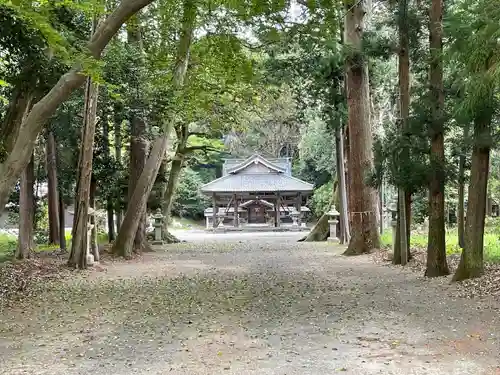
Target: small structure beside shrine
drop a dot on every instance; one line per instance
(257, 193)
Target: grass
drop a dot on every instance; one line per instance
(8, 244)
(419, 240)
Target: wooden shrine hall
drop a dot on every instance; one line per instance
(256, 191)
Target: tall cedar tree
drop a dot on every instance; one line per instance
(436, 248)
(364, 227)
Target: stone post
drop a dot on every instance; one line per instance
(333, 221)
(158, 225)
(221, 215)
(90, 226)
(393, 210)
(295, 217)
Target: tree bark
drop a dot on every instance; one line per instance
(404, 197)
(343, 208)
(461, 191)
(26, 212)
(436, 247)
(118, 154)
(125, 239)
(53, 199)
(139, 143)
(18, 158)
(78, 255)
(109, 200)
(471, 263)
(365, 235)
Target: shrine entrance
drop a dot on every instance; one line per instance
(257, 214)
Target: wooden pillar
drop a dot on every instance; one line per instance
(214, 211)
(236, 221)
(298, 207)
(277, 214)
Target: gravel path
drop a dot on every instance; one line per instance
(242, 304)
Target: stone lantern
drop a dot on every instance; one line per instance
(221, 214)
(295, 217)
(333, 220)
(158, 227)
(393, 210)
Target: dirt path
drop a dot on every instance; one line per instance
(229, 305)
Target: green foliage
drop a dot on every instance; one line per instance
(321, 199)
(189, 201)
(8, 245)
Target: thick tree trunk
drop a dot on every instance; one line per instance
(364, 233)
(20, 105)
(471, 263)
(319, 232)
(78, 255)
(461, 191)
(436, 247)
(139, 143)
(124, 242)
(26, 212)
(53, 199)
(18, 158)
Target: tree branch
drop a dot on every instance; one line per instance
(204, 148)
(33, 124)
(198, 134)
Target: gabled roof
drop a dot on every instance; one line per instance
(255, 159)
(272, 182)
(252, 201)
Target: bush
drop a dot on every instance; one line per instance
(189, 201)
(321, 199)
(8, 244)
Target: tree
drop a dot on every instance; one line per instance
(19, 154)
(363, 207)
(436, 247)
(26, 212)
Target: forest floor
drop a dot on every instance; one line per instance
(249, 304)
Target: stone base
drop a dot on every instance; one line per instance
(90, 260)
(157, 242)
(333, 240)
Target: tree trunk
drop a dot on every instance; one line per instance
(471, 262)
(461, 191)
(62, 222)
(53, 199)
(436, 247)
(343, 209)
(20, 105)
(137, 203)
(319, 232)
(109, 199)
(26, 212)
(118, 154)
(365, 235)
(79, 245)
(18, 158)
(94, 246)
(402, 248)
(170, 189)
(139, 143)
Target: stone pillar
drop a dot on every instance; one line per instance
(90, 226)
(298, 207)
(295, 217)
(333, 221)
(393, 210)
